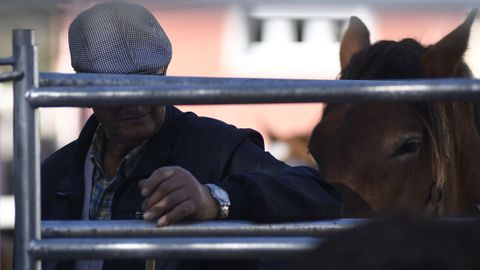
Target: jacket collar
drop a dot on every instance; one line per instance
(159, 147)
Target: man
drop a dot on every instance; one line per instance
(158, 163)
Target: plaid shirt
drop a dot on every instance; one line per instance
(103, 185)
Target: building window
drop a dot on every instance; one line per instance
(256, 30)
(299, 30)
(338, 26)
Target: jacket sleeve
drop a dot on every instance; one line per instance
(264, 189)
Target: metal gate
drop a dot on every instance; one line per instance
(36, 240)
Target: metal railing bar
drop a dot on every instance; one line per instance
(312, 91)
(139, 228)
(26, 151)
(10, 76)
(172, 247)
(7, 61)
(48, 79)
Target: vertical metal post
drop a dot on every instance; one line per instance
(26, 151)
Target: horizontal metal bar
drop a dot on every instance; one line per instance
(139, 228)
(10, 76)
(7, 61)
(171, 247)
(49, 79)
(257, 91)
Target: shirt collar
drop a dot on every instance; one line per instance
(128, 163)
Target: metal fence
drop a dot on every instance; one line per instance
(37, 240)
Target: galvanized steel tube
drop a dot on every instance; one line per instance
(172, 247)
(139, 228)
(49, 79)
(26, 152)
(10, 76)
(102, 90)
(7, 61)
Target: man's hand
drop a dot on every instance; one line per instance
(173, 194)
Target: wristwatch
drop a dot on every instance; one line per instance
(221, 196)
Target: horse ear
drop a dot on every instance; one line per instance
(355, 39)
(445, 57)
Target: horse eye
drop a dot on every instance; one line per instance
(410, 146)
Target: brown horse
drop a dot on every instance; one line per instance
(401, 158)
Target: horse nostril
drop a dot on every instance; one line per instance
(409, 147)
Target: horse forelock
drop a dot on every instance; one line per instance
(386, 60)
(439, 130)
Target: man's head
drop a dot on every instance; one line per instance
(121, 38)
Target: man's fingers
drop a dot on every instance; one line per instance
(148, 185)
(173, 194)
(171, 201)
(162, 190)
(180, 212)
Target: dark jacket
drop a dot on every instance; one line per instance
(260, 187)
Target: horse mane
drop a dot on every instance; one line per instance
(466, 144)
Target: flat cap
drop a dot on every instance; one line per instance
(118, 38)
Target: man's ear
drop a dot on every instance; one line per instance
(355, 39)
(446, 57)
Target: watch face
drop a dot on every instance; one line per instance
(222, 198)
(221, 195)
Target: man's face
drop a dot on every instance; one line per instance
(131, 124)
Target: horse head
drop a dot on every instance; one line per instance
(389, 158)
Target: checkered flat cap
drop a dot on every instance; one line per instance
(118, 38)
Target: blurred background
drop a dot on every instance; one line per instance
(263, 39)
